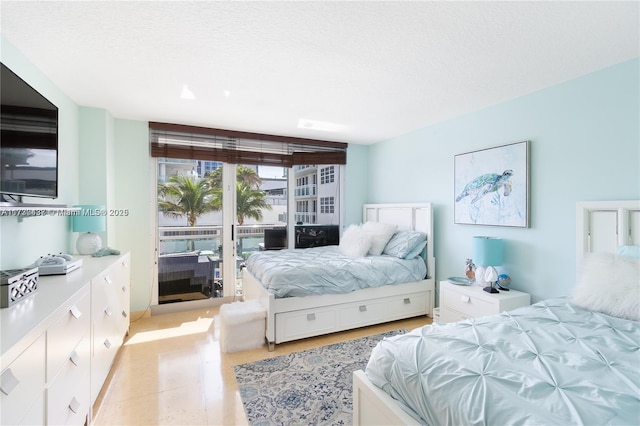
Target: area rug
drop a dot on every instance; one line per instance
(311, 387)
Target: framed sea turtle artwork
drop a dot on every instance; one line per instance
(492, 186)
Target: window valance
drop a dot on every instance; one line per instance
(229, 146)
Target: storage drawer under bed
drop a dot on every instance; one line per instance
(373, 311)
(305, 323)
(315, 321)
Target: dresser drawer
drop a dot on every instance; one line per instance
(68, 395)
(305, 323)
(106, 341)
(468, 305)
(22, 387)
(65, 334)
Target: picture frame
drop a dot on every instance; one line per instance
(491, 186)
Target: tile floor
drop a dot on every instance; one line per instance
(170, 371)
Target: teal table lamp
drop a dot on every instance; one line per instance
(90, 219)
(487, 253)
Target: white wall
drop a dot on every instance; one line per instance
(584, 146)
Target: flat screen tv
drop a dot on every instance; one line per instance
(28, 140)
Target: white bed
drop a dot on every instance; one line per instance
(600, 228)
(293, 318)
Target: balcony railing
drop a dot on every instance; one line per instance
(189, 261)
(208, 239)
(306, 191)
(305, 217)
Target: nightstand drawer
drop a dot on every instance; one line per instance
(458, 302)
(468, 305)
(449, 315)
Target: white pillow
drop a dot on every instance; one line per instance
(380, 233)
(354, 242)
(609, 284)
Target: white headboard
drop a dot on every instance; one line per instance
(602, 226)
(408, 217)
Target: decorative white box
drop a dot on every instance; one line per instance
(242, 326)
(16, 285)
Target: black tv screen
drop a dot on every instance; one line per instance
(28, 139)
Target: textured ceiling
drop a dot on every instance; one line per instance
(374, 70)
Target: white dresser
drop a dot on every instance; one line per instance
(59, 344)
(462, 302)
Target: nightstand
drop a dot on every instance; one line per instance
(460, 302)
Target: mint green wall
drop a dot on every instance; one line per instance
(95, 143)
(22, 242)
(585, 145)
(356, 183)
(115, 171)
(132, 182)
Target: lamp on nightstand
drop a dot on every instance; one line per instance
(90, 219)
(487, 253)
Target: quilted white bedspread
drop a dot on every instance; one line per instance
(324, 270)
(551, 363)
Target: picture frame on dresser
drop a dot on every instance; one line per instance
(491, 186)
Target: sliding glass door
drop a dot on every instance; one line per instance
(191, 229)
(223, 194)
(261, 209)
(211, 217)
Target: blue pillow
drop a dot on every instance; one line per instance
(629, 251)
(404, 244)
(416, 251)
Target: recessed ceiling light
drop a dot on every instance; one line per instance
(227, 93)
(325, 126)
(186, 93)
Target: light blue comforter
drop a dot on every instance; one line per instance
(551, 363)
(322, 270)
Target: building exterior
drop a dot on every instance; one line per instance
(317, 195)
(316, 191)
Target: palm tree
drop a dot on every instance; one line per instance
(250, 199)
(249, 202)
(248, 175)
(243, 174)
(185, 196)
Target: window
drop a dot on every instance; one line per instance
(327, 205)
(327, 175)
